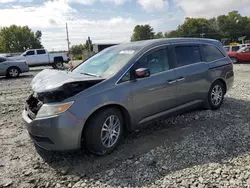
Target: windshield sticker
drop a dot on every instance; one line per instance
(127, 52)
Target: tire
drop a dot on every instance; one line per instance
(13, 72)
(215, 97)
(96, 134)
(234, 59)
(58, 65)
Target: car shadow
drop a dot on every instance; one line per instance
(193, 138)
(20, 77)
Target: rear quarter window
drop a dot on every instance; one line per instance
(211, 53)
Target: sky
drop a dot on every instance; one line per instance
(107, 21)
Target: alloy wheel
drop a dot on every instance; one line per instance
(216, 95)
(110, 131)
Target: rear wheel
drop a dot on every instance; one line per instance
(216, 95)
(234, 59)
(13, 72)
(58, 65)
(104, 131)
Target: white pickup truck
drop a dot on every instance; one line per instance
(41, 57)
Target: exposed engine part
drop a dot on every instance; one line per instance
(36, 100)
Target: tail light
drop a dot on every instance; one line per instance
(67, 54)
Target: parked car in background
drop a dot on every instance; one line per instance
(244, 45)
(123, 87)
(242, 55)
(41, 57)
(12, 68)
(232, 48)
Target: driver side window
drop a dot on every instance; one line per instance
(30, 53)
(156, 61)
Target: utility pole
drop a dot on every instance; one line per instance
(202, 34)
(68, 37)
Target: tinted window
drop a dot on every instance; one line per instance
(211, 53)
(235, 48)
(187, 55)
(30, 53)
(2, 59)
(156, 61)
(40, 52)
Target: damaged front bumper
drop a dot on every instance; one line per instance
(57, 133)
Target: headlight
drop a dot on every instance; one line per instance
(53, 109)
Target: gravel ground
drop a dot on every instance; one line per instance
(195, 149)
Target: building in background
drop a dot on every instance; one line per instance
(99, 47)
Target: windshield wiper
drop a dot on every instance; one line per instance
(91, 74)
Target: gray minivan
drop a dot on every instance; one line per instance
(122, 87)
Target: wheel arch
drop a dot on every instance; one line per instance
(125, 114)
(13, 67)
(222, 81)
(58, 59)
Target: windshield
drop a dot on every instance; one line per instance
(108, 62)
(241, 50)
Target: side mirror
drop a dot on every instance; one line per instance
(142, 72)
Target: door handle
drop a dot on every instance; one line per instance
(181, 79)
(171, 81)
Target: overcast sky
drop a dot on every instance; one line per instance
(107, 21)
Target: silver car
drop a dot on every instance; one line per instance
(123, 87)
(11, 68)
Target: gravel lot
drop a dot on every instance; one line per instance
(195, 149)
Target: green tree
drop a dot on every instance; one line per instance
(19, 38)
(233, 25)
(142, 32)
(172, 34)
(159, 35)
(77, 49)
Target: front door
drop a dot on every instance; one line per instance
(154, 94)
(191, 73)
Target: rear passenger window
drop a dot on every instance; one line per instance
(211, 53)
(187, 55)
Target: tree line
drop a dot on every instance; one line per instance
(226, 28)
(18, 39)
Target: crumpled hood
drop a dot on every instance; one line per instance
(49, 80)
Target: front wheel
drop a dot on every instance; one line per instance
(58, 65)
(103, 131)
(216, 95)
